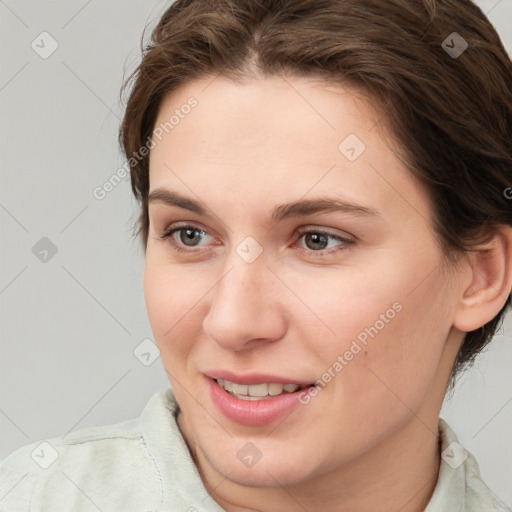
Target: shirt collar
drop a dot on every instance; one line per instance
(450, 491)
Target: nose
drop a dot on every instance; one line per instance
(246, 308)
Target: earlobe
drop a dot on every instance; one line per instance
(485, 291)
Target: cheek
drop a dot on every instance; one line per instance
(401, 358)
(172, 304)
(345, 306)
(384, 321)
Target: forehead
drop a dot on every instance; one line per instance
(275, 109)
(275, 136)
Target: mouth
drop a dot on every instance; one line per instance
(262, 391)
(258, 401)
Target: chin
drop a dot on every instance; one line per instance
(273, 469)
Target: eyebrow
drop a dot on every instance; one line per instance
(299, 208)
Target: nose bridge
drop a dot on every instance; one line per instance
(246, 273)
(243, 305)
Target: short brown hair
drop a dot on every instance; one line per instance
(451, 115)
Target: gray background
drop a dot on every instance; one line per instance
(69, 326)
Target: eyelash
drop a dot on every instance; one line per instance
(168, 235)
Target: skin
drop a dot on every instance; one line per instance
(367, 441)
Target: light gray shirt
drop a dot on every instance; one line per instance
(143, 465)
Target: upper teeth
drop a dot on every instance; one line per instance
(248, 391)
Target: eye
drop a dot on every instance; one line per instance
(185, 236)
(322, 242)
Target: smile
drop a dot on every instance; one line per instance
(257, 391)
(256, 404)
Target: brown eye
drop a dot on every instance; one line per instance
(316, 241)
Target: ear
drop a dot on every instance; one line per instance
(488, 282)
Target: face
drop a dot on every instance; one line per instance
(289, 246)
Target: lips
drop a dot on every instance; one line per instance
(244, 409)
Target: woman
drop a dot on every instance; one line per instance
(325, 212)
